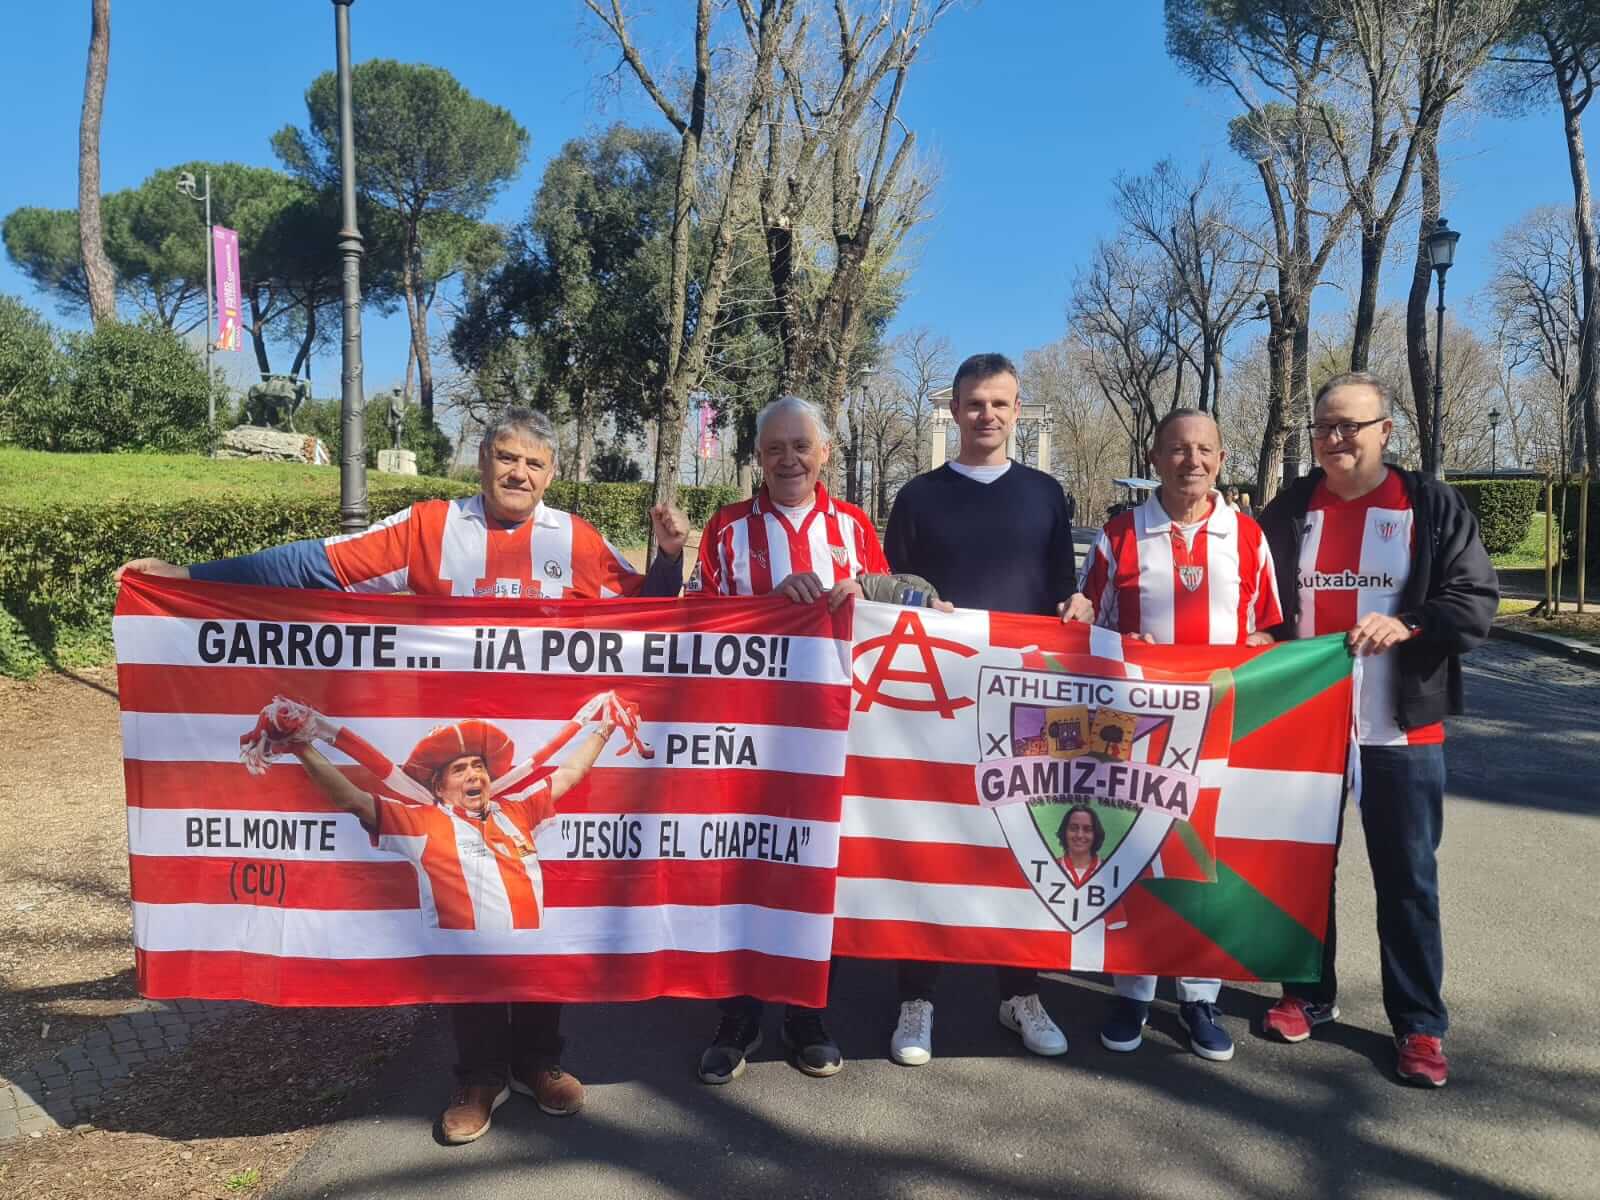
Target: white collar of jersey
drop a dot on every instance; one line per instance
(765, 503)
(542, 516)
(1221, 521)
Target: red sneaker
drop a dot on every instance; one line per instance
(1293, 1019)
(1421, 1060)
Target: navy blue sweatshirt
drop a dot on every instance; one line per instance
(1004, 546)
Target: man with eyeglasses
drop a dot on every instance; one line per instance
(1391, 558)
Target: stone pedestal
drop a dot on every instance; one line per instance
(397, 462)
(272, 445)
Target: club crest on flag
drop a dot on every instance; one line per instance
(1053, 743)
(1191, 576)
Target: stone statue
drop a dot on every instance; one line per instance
(397, 419)
(271, 404)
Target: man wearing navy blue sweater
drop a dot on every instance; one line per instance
(987, 533)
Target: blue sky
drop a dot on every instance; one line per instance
(1031, 109)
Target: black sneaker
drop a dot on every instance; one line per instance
(808, 1043)
(736, 1039)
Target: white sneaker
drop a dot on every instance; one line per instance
(912, 1043)
(1026, 1015)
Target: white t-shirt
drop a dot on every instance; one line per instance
(981, 474)
(797, 513)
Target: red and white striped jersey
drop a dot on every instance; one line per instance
(750, 547)
(451, 548)
(1143, 577)
(472, 872)
(1355, 559)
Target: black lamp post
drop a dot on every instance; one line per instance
(1494, 429)
(1441, 247)
(352, 402)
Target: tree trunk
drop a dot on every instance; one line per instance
(1297, 405)
(1588, 393)
(1419, 358)
(417, 316)
(744, 452)
(583, 422)
(97, 269)
(302, 358)
(1269, 468)
(1374, 238)
(258, 334)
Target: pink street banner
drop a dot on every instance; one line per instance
(225, 256)
(708, 444)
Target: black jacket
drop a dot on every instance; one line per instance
(1452, 591)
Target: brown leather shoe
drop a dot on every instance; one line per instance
(552, 1089)
(471, 1109)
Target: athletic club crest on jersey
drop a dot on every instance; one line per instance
(1387, 529)
(841, 556)
(1192, 576)
(1054, 744)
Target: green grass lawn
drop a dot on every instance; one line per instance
(1529, 554)
(35, 479)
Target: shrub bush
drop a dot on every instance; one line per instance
(1503, 508)
(126, 387)
(56, 593)
(30, 365)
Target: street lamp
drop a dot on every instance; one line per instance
(1494, 427)
(855, 457)
(186, 186)
(1441, 247)
(352, 403)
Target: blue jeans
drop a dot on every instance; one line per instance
(1402, 816)
(1143, 988)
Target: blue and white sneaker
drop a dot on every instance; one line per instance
(1207, 1038)
(1124, 1027)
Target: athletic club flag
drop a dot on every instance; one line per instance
(352, 800)
(1205, 783)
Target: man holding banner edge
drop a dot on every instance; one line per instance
(504, 543)
(1392, 558)
(1182, 568)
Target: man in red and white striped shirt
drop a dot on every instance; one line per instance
(792, 539)
(1181, 569)
(504, 543)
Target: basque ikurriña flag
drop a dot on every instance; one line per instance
(1205, 783)
(456, 847)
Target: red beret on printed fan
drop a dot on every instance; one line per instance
(447, 743)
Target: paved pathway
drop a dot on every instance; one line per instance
(1325, 1118)
(62, 1090)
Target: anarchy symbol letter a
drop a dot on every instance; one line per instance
(908, 632)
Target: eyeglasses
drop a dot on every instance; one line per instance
(1346, 430)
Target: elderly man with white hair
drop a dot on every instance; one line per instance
(791, 539)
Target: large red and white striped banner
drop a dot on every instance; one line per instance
(777, 785)
(706, 869)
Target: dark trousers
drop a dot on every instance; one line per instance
(917, 981)
(1402, 817)
(491, 1037)
(751, 1009)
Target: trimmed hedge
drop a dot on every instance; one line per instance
(1503, 508)
(56, 594)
